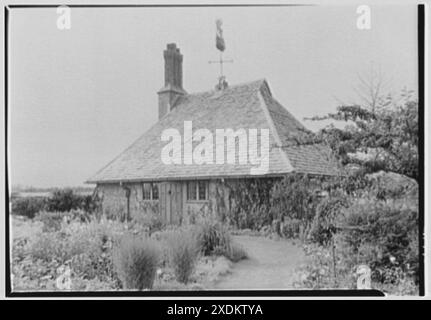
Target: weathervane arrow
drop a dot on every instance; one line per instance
(221, 46)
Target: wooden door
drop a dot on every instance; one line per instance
(171, 202)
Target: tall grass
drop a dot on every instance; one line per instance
(214, 238)
(136, 261)
(183, 253)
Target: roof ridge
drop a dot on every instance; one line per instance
(241, 84)
(272, 127)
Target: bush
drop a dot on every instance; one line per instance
(51, 220)
(49, 246)
(318, 272)
(28, 207)
(294, 199)
(291, 228)
(136, 261)
(66, 200)
(91, 248)
(249, 201)
(152, 221)
(324, 223)
(235, 252)
(62, 200)
(184, 251)
(383, 234)
(213, 237)
(85, 247)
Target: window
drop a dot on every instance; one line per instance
(146, 191)
(202, 190)
(150, 191)
(155, 191)
(191, 190)
(197, 190)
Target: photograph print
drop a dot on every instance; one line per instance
(158, 149)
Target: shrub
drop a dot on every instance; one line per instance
(213, 237)
(135, 262)
(91, 248)
(49, 246)
(66, 200)
(291, 228)
(51, 220)
(28, 207)
(152, 221)
(294, 198)
(318, 272)
(85, 247)
(324, 223)
(235, 252)
(382, 234)
(184, 251)
(63, 200)
(249, 201)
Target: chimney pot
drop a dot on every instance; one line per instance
(173, 79)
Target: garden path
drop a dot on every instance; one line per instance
(271, 265)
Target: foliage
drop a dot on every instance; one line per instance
(235, 252)
(382, 234)
(49, 246)
(386, 138)
(85, 247)
(318, 273)
(294, 199)
(324, 222)
(152, 222)
(63, 200)
(256, 203)
(136, 260)
(292, 228)
(28, 206)
(184, 252)
(60, 200)
(51, 220)
(249, 203)
(214, 238)
(94, 241)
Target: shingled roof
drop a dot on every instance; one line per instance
(249, 105)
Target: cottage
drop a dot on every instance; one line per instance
(140, 182)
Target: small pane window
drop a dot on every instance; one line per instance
(146, 191)
(202, 192)
(155, 191)
(191, 190)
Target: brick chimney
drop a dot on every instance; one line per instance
(173, 79)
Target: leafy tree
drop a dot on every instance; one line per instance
(384, 138)
(63, 200)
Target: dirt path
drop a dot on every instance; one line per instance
(271, 265)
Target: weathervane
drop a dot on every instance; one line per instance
(221, 46)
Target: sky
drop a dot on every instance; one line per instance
(79, 97)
